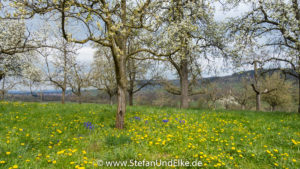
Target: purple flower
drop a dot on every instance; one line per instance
(88, 125)
(165, 121)
(146, 121)
(137, 118)
(183, 121)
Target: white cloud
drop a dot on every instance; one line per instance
(85, 54)
(221, 15)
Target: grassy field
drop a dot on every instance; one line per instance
(36, 135)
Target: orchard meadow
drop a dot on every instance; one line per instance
(51, 135)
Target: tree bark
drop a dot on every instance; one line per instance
(42, 96)
(121, 107)
(120, 69)
(243, 107)
(184, 84)
(119, 55)
(258, 102)
(256, 87)
(79, 99)
(65, 73)
(130, 94)
(272, 108)
(299, 93)
(110, 100)
(3, 88)
(63, 95)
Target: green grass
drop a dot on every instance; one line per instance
(37, 135)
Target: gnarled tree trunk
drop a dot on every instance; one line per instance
(121, 107)
(130, 95)
(120, 69)
(243, 107)
(299, 93)
(256, 86)
(184, 84)
(258, 102)
(3, 88)
(119, 55)
(273, 108)
(79, 99)
(121, 85)
(110, 99)
(63, 96)
(64, 85)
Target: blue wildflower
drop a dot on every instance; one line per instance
(137, 118)
(88, 125)
(165, 121)
(91, 127)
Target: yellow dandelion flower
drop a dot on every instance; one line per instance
(294, 141)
